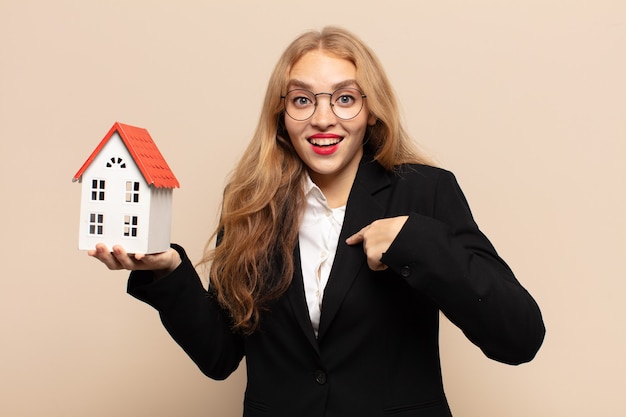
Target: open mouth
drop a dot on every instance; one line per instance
(324, 142)
(325, 145)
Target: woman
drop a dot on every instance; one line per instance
(337, 248)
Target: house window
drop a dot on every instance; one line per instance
(116, 162)
(132, 192)
(96, 224)
(97, 190)
(130, 226)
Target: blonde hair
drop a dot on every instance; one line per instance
(252, 264)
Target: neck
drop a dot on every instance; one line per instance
(336, 195)
(336, 188)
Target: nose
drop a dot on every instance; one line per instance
(323, 117)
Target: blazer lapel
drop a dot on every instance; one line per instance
(297, 299)
(366, 203)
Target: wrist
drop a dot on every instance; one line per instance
(174, 261)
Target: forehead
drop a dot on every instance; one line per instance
(321, 70)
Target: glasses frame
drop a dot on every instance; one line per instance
(330, 102)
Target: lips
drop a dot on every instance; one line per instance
(324, 143)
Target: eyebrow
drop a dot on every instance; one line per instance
(301, 84)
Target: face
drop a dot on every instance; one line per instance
(330, 147)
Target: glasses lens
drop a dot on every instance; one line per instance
(300, 104)
(347, 103)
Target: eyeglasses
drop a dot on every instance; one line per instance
(346, 103)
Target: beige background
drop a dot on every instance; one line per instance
(524, 100)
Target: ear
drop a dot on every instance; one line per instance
(371, 120)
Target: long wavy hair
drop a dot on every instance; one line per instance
(252, 263)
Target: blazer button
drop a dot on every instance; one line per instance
(320, 377)
(406, 271)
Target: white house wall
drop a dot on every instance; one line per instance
(160, 220)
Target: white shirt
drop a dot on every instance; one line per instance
(318, 238)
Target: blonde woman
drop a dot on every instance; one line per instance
(338, 245)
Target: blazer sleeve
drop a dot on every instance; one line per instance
(447, 257)
(192, 316)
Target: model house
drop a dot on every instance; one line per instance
(126, 196)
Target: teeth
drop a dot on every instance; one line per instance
(324, 141)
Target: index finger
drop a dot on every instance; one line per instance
(358, 237)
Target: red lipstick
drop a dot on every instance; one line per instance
(325, 143)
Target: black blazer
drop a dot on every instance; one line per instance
(377, 351)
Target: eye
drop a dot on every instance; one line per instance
(301, 101)
(300, 98)
(345, 98)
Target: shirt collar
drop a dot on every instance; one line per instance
(309, 185)
(311, 190)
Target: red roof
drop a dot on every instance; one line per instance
(144, 152)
